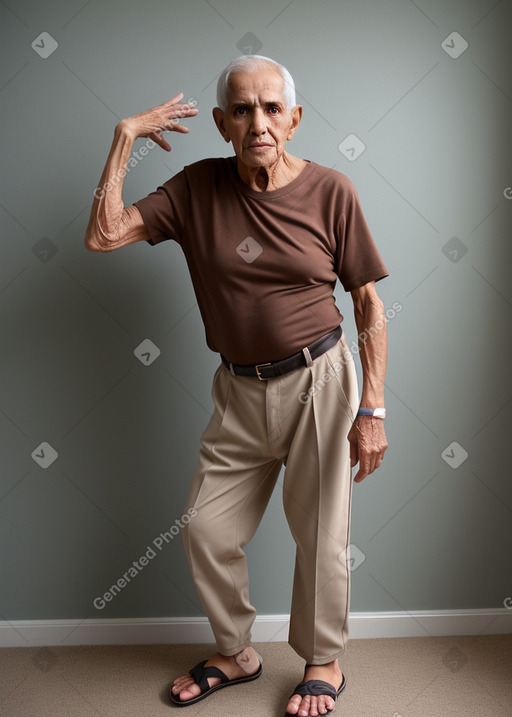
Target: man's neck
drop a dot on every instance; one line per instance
(275, 176)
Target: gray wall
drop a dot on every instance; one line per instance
(433, 182)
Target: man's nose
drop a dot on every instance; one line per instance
(258, 122)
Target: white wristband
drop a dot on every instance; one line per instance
(375, 412)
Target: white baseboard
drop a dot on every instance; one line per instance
(267, 628)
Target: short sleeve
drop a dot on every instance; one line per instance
(357, 259)
(164, 211)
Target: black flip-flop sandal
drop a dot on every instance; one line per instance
(315, 688)
(200, 673)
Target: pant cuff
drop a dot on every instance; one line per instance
(318, 660)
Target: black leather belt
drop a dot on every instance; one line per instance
(264, 371)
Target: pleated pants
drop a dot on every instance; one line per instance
(299, 420)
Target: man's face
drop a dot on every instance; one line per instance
(256, 120)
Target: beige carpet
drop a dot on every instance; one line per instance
(410, 677)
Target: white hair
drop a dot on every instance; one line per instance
(252, 63)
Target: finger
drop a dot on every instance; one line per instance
(363, 470)
(174, 100)
(176, 114)
(178, 128)
(188, 109)
(173, 125)
(160, 141)
(372, 462)
(378, 461)
(359, 476)
(379, 457)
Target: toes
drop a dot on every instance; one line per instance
(309, 706)
(313, 707)
(294, 704)
(186, 688)
(310, 710)
(184, 695)
(180, 683)
(304, 709)
(325, 704)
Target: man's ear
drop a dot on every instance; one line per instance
(218, 116)
(296, 118)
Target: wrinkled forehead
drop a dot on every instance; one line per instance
(264, 85)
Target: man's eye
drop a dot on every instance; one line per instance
(241, 110)
(273, 110)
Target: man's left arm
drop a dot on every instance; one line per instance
(367, 437)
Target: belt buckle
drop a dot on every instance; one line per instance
(257, 369)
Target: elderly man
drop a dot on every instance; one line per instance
(266, 235)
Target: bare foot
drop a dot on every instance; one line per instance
(311, 705)
(188, 688)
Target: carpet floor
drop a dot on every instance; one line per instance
(398, 677)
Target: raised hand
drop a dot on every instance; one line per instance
(164, 117)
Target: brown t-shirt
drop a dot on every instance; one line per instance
(264, 264)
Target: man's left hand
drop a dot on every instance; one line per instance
(368, 444)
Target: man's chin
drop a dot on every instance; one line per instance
(259, 158)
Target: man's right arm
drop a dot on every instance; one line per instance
(111, 224)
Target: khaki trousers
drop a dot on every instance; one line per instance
(300, 420)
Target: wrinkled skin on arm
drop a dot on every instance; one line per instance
(111, 224)
(367, 436)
